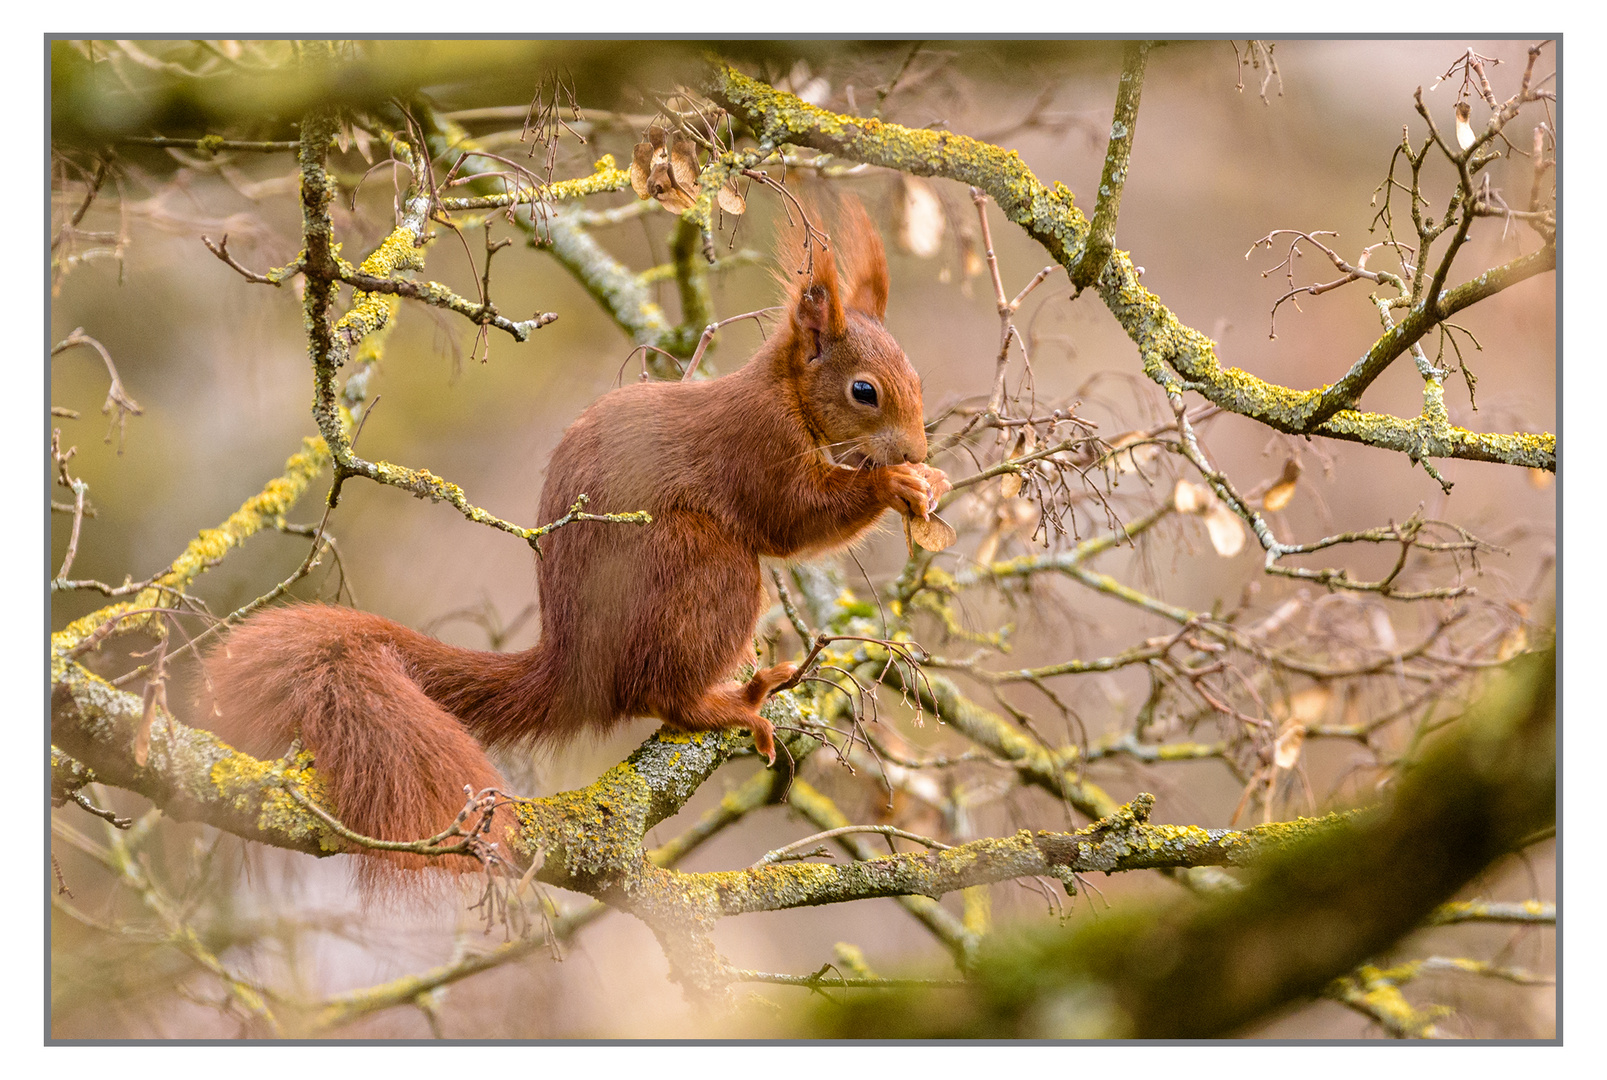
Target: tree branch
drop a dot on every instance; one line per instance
(1165, 345)
(1310, 912)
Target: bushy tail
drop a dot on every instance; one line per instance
(349, 685)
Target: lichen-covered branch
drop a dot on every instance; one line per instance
(921, 754)
(821, 812)
(1037, 764)
(1172, 354)
(257, 512)
(592, 838)
(605, 177)
(759, 790)
(1308, 913)
(1523, 912)
(191, 775)
(1123, 125)
(438, 295)
(330, 343)
(1422, 317)
(1123, 841)
(188, 774)
(1376, 992)
(561, 233)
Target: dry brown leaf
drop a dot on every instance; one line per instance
(932, 533)
(1279, 618)
(920, 219)
(683, 161)
(1384, 630)
(814, 90)
(1135, 459)
(1025, 442)
(1309, 705)
(1353, 714)
(675, 200)
(730, 199)
(642, 165)
(971, 263)
(1226, 530)
(1191, 498)
(665, 168)
(1513, 644)
(1464, 130)
(1279, 494)
(1286, 751)
(989, 547)
(1018, 517)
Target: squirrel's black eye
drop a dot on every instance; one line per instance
(864, 392)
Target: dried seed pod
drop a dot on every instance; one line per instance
(1226, 530)
(1191, 498)
(1286, 751)
(642, 165)
(730, 199)
(920, 218)
(665, 168)
(1279, 494)
(1464, 130)
(932, 533)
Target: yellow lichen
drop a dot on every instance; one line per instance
(209, 546)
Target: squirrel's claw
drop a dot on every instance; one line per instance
(765, 742)
(908, 490)
(937, 480)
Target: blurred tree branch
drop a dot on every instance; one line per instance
(1308, 913)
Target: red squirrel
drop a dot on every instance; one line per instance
(795, 453)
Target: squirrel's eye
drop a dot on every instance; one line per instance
(864, 392)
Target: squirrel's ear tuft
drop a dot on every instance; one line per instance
(812, 310)
(862, 260)
(814, 296)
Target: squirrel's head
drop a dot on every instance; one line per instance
(858, 392)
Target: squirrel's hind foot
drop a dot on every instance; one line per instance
(730, 706)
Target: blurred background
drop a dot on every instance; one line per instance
(219, 367)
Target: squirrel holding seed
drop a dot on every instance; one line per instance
(796, 453)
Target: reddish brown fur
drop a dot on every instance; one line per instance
(643, 621)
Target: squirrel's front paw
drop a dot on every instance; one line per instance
(937, 479)
(906, 489)
(913, 489)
